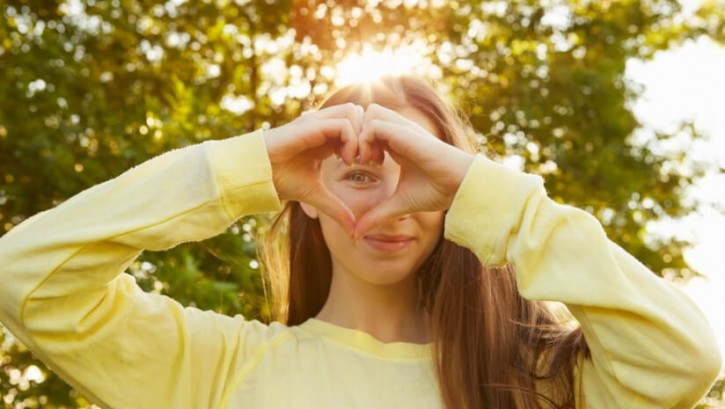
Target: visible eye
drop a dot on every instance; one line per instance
(358, 177)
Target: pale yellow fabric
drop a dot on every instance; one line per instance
(63, 295)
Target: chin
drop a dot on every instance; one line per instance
(386, 275)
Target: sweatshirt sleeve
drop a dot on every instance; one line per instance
(650, 345)
(64, 297)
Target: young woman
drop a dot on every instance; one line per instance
(412, 274)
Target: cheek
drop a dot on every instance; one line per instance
(335, 237)
(360, 201)
(339, 243)
(432, 224)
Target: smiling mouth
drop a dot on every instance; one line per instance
(383, 242)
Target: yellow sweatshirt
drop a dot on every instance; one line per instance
(63, 295)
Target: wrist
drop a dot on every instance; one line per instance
(270, 138)
(463, 164)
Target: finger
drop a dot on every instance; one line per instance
(377, 153)
(354, 115)
(366, 139)
(390, 209)
(360, 118)
(349, 139)
(377, 113)
(395, 138)
(339, 132)
(286, 142)
(332, 206)
(353, 112)
(371, 148)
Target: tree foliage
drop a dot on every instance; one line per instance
(92, 88)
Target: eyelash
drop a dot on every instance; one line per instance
(353, 175)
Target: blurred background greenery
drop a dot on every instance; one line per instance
(89, 89)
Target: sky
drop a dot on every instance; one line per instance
(687, 83)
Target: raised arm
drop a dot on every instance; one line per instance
(63, 296)
(650, 345)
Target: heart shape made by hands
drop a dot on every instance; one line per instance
(431, 170)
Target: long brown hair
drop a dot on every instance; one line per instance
(492, 347)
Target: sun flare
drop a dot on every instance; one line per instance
(371, 64)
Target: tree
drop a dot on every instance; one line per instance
(92, 88)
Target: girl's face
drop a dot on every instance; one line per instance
(392, 252)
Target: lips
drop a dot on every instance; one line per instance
(387, 242)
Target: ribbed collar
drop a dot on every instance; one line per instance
(364, 342)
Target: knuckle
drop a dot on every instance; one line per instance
(350, 108)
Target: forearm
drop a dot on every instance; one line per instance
(651, 346)
(64, 297)
(77, 248)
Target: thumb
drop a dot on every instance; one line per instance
(332, 206)
(392, 208)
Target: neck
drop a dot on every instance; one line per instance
(389, 313)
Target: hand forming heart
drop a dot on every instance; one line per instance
(431, 170)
